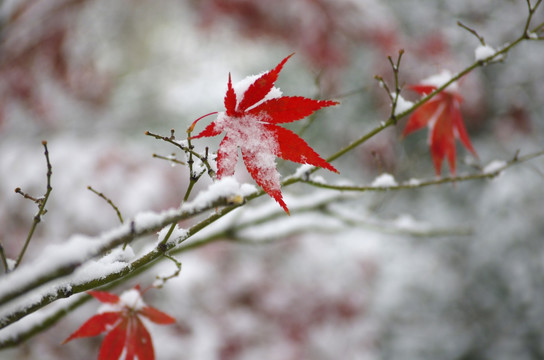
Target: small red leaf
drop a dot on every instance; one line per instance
(443, 116)
(156, 316)
(95, 325)
(125, 329)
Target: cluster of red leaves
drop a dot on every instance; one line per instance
(122, 322)
(250, 123)
(442, 114)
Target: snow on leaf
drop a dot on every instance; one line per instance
(125, 330)
(252, 111)
(442, 115)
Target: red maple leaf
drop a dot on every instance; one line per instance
(120, 318)
(249, 123)
(442, 114)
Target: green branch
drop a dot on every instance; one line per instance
(424, 183)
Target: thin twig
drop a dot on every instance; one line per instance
(164, 279)
(41, 208)
(4, 259)
(473, 32)
(170, 158)
(395, 68)
(27, 196)
(108, 200)
(186, 149)
(532, 10)
(425, 183)
(383, 84)
(193, 179)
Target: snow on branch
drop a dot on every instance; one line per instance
(63, 259)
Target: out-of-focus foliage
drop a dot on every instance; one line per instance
(91, 76)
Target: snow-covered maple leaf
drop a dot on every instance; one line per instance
(254, 107)
(120, 318)
(442, 115)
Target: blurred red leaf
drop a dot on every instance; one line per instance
(442, 114)
(123, 325)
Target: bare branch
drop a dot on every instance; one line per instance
(41, 209)
(108, 200)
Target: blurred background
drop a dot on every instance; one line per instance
(446, 272)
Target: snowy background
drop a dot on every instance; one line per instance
(446, 272)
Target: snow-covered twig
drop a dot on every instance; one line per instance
(487, 173)
(59, 261)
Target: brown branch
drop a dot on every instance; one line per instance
(41, 208)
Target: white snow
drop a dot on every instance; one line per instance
(482, 52)
(129, 299)
(11, 263)
(406, 222)
(319, 179)
(37, 318)
(440, 79)
(384, 180)
(532, 35)
(222, 188)
(302, 170)
(413, 182)
(148, 219)
(115, 261)
(241, 87)
(176, 233)
(132, 299)
(402, 105)
(494, 166)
